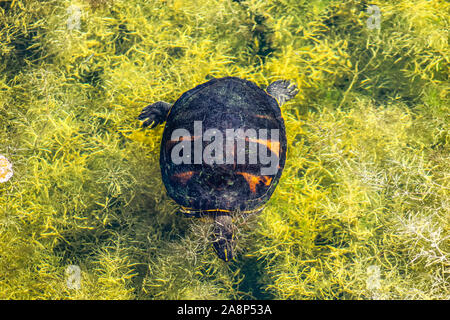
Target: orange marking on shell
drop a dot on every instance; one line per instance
(182, 177)
(261, 116)
(254, 180)
(274, 146)
(170, 143)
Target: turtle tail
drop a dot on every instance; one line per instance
(223, 237)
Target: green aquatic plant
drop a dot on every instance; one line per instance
(362, 208)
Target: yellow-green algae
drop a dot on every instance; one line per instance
(361, 211)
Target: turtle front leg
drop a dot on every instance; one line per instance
(282, 91)
(154, 114)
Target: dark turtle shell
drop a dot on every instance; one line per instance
(221, 104)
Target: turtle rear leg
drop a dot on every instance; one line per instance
(282, 91)
(223, 242)
(154, 114)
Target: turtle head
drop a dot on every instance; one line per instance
(223, 238)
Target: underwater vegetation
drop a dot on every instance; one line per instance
(362, 210)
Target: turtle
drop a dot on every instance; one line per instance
(223, 150)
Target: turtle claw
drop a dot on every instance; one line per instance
(150, 124)
(154, 114)
(282, 90)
